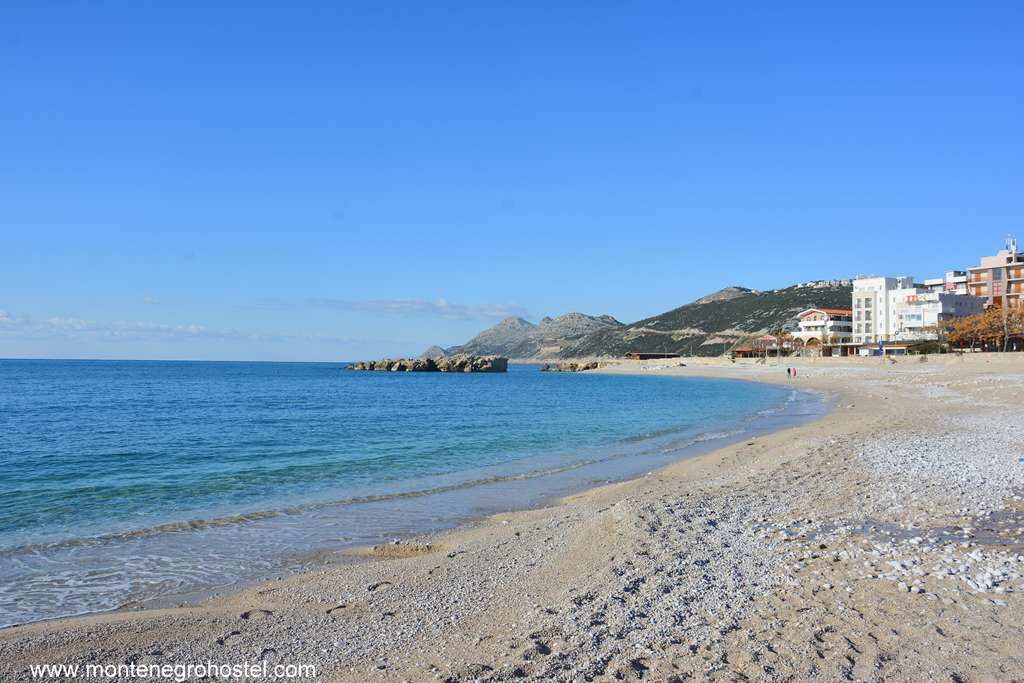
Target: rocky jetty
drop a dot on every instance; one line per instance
(572, 367)
(457, 363)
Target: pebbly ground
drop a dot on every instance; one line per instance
(883, 542)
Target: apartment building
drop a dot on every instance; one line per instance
(999, 278)
(953, 282)
(895, 309)
(917, 313)
(873, 301)
(825, 326)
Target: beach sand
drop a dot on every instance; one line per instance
(884, 541)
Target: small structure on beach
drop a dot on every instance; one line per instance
(765, 346)
(743, 350)
(639, 355)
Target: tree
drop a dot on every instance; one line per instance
(964, 331)
(990, 328)
(942, 330)
(798, 346)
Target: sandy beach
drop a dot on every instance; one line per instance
(884, 541)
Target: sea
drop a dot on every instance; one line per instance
(127, 482)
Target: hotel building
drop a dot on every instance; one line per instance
(895, 309)
(872, 306)
(953, 282)
(999, 278)
(827, 327)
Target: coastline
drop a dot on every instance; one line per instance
(698, 547)
(324, 531)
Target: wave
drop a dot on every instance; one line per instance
(306, 508)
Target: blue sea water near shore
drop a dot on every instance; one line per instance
(128, 480)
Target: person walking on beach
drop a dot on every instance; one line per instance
(794, 372)
(789, 372)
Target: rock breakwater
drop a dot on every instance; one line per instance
(456, 363)
(572, 367)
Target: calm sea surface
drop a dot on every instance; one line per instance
(124, 481)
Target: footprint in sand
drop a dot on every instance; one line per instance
(256, 614)
(336, 608)
(377, 586)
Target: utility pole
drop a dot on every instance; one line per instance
(1011, 247)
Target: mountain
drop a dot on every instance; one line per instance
(714, 323)
(709, 326)
(518, 338)
(433, 352)
(725, 295)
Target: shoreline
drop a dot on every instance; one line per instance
(720, 552)
(547, 489)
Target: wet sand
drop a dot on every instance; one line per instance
(881, 542)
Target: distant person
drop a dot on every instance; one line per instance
(789, 372)
(794, 372)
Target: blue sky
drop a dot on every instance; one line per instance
(343, 180)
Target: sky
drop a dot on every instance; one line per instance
(342, 180)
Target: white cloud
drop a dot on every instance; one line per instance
(27, 327)
(59, 326)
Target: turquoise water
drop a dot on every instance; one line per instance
(128, 480)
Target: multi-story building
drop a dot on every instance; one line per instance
(872, 304)
(918, 312)
(953, 282)
(826, 327)
(999, 278)
(895, 309)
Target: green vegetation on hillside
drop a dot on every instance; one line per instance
(709, 326)
(712, 328)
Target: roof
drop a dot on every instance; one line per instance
(829, 311)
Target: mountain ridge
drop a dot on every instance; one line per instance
(518, 338)
(707, 326)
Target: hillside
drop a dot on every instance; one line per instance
(714, 323)
(518, 338)
(709, 326)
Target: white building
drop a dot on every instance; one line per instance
(825, 326)
(872, 307)
(953, 282)
(920, 311)
(894, 309)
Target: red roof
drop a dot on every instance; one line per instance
(829, 311)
